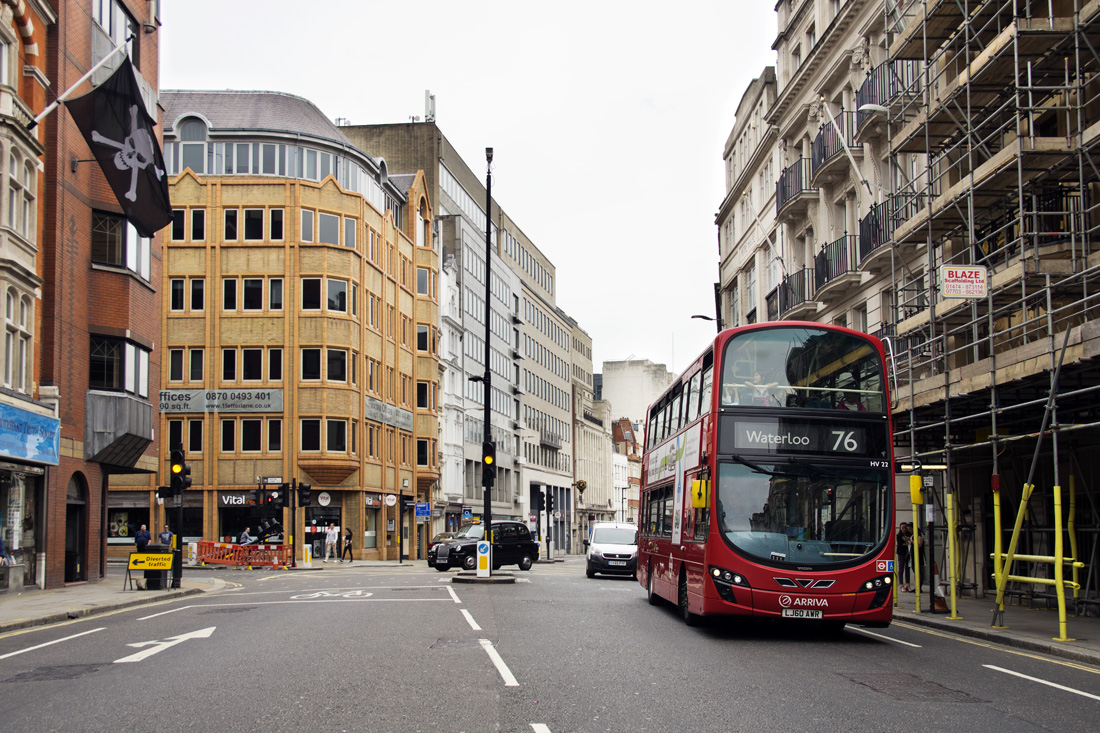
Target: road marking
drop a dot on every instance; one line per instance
(50, 643)
(470, 620)
(540, 728)
(996, 647)
(1048, 683)
(502, 668)
(155, 647)
(887, 638)
(453, 594)
(332, 594)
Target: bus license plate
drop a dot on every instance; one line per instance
(616, 562)
(802, 613)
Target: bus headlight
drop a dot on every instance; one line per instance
(724, 582)
(880, 586)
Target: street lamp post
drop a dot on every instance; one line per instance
(487, 474)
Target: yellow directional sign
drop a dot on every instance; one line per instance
(150, 561)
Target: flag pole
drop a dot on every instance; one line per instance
(53, 105)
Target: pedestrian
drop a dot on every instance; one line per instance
(347, 547)
(332, 536)
(905, 553)
(245, 538)
(142, 538)
(166, 536)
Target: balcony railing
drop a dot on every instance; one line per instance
(794, 179)
(828, 144)
(885, 83)
(875, 229)
(795, 290)
(833, 261)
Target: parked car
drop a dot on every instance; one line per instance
(612, 549)
(441, 537)
(512, 545)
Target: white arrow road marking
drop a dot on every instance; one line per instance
(49, 643)
(1048, 683)
(540, 728)
(505, 673)
(159, 646)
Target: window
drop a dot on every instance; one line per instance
(422, 391)
(275, 294)
(229, 294)
(422, 452)
(337, 365)
(118, 365)
(194, 436)
(274, 435)
(253, 225)
(421, 337)
(252, 435)
(311, 364)
(337, 436)
(179, 226)
(307, 225)
(192, 134)
(230, 234)
(338, 296)
(349, 232)
(229, 436)
(229, 365)
(175, 365)
(328, 228)
(198, 297)
(115, 242)
(311, 294)
(253, 295)
(198, 225)
(196, 365)
(311, 435)
(275, 365)
(422, 281)
(21, 191)
(275, 227)
(252, 364)
(176, 295)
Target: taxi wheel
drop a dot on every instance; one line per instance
(469, 562)
(525, 562)
(441, 569)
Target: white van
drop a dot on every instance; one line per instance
(612, 549)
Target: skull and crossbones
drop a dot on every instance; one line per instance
(135, 153)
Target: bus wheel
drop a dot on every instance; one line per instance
(654, 599)
(691, 619)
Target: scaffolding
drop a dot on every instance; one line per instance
(992, 110)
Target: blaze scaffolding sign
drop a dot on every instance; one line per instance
(964, 281)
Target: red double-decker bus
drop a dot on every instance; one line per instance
(767, 480)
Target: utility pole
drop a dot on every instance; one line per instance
(488, 471)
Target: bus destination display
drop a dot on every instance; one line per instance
(785, 436)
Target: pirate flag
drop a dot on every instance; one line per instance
(119, 131)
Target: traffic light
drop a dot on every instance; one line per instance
(284, 496)
(488, 460)
(181, 472)
(303, 494)
(258, 495)
(540, 501)
(549, 501)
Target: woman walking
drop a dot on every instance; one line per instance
(347, 546)
(905, 555)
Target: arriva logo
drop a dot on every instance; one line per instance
(788, 602)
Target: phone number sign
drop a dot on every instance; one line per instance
(221, 400)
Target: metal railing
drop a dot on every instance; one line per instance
(828, 144)
(795, 290)
(833, 261)
(794, 179)
(885, 83)
(875, 229)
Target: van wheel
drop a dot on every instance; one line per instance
(590, 572)
(653, 598)
(691, 619)
(525, 562)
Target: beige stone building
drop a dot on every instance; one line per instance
(300, 324)
(897, 146)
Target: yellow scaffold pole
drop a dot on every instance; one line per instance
(1002, 576)
(1059, 568)
(917, 498)
(952, 564)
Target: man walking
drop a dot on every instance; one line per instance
(332, 536)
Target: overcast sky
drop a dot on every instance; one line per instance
(607, 121)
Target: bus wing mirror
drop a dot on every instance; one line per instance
(700, 492)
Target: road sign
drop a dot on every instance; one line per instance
(423, 510)
(150, 561)
(467, 513)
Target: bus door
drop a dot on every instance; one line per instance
(693, 530)
(658, 544)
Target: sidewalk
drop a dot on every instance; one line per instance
(1029, 628)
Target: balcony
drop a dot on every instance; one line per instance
(827, 159)
(793, 191)
(833, 271)
(889, 85)
(118, 427)
(875, 231)
(795, 299)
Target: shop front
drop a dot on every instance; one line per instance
(29, 442)
(127, 511)
(325, 507)
(372, 506)
(237, 510)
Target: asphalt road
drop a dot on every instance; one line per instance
(403, 649)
